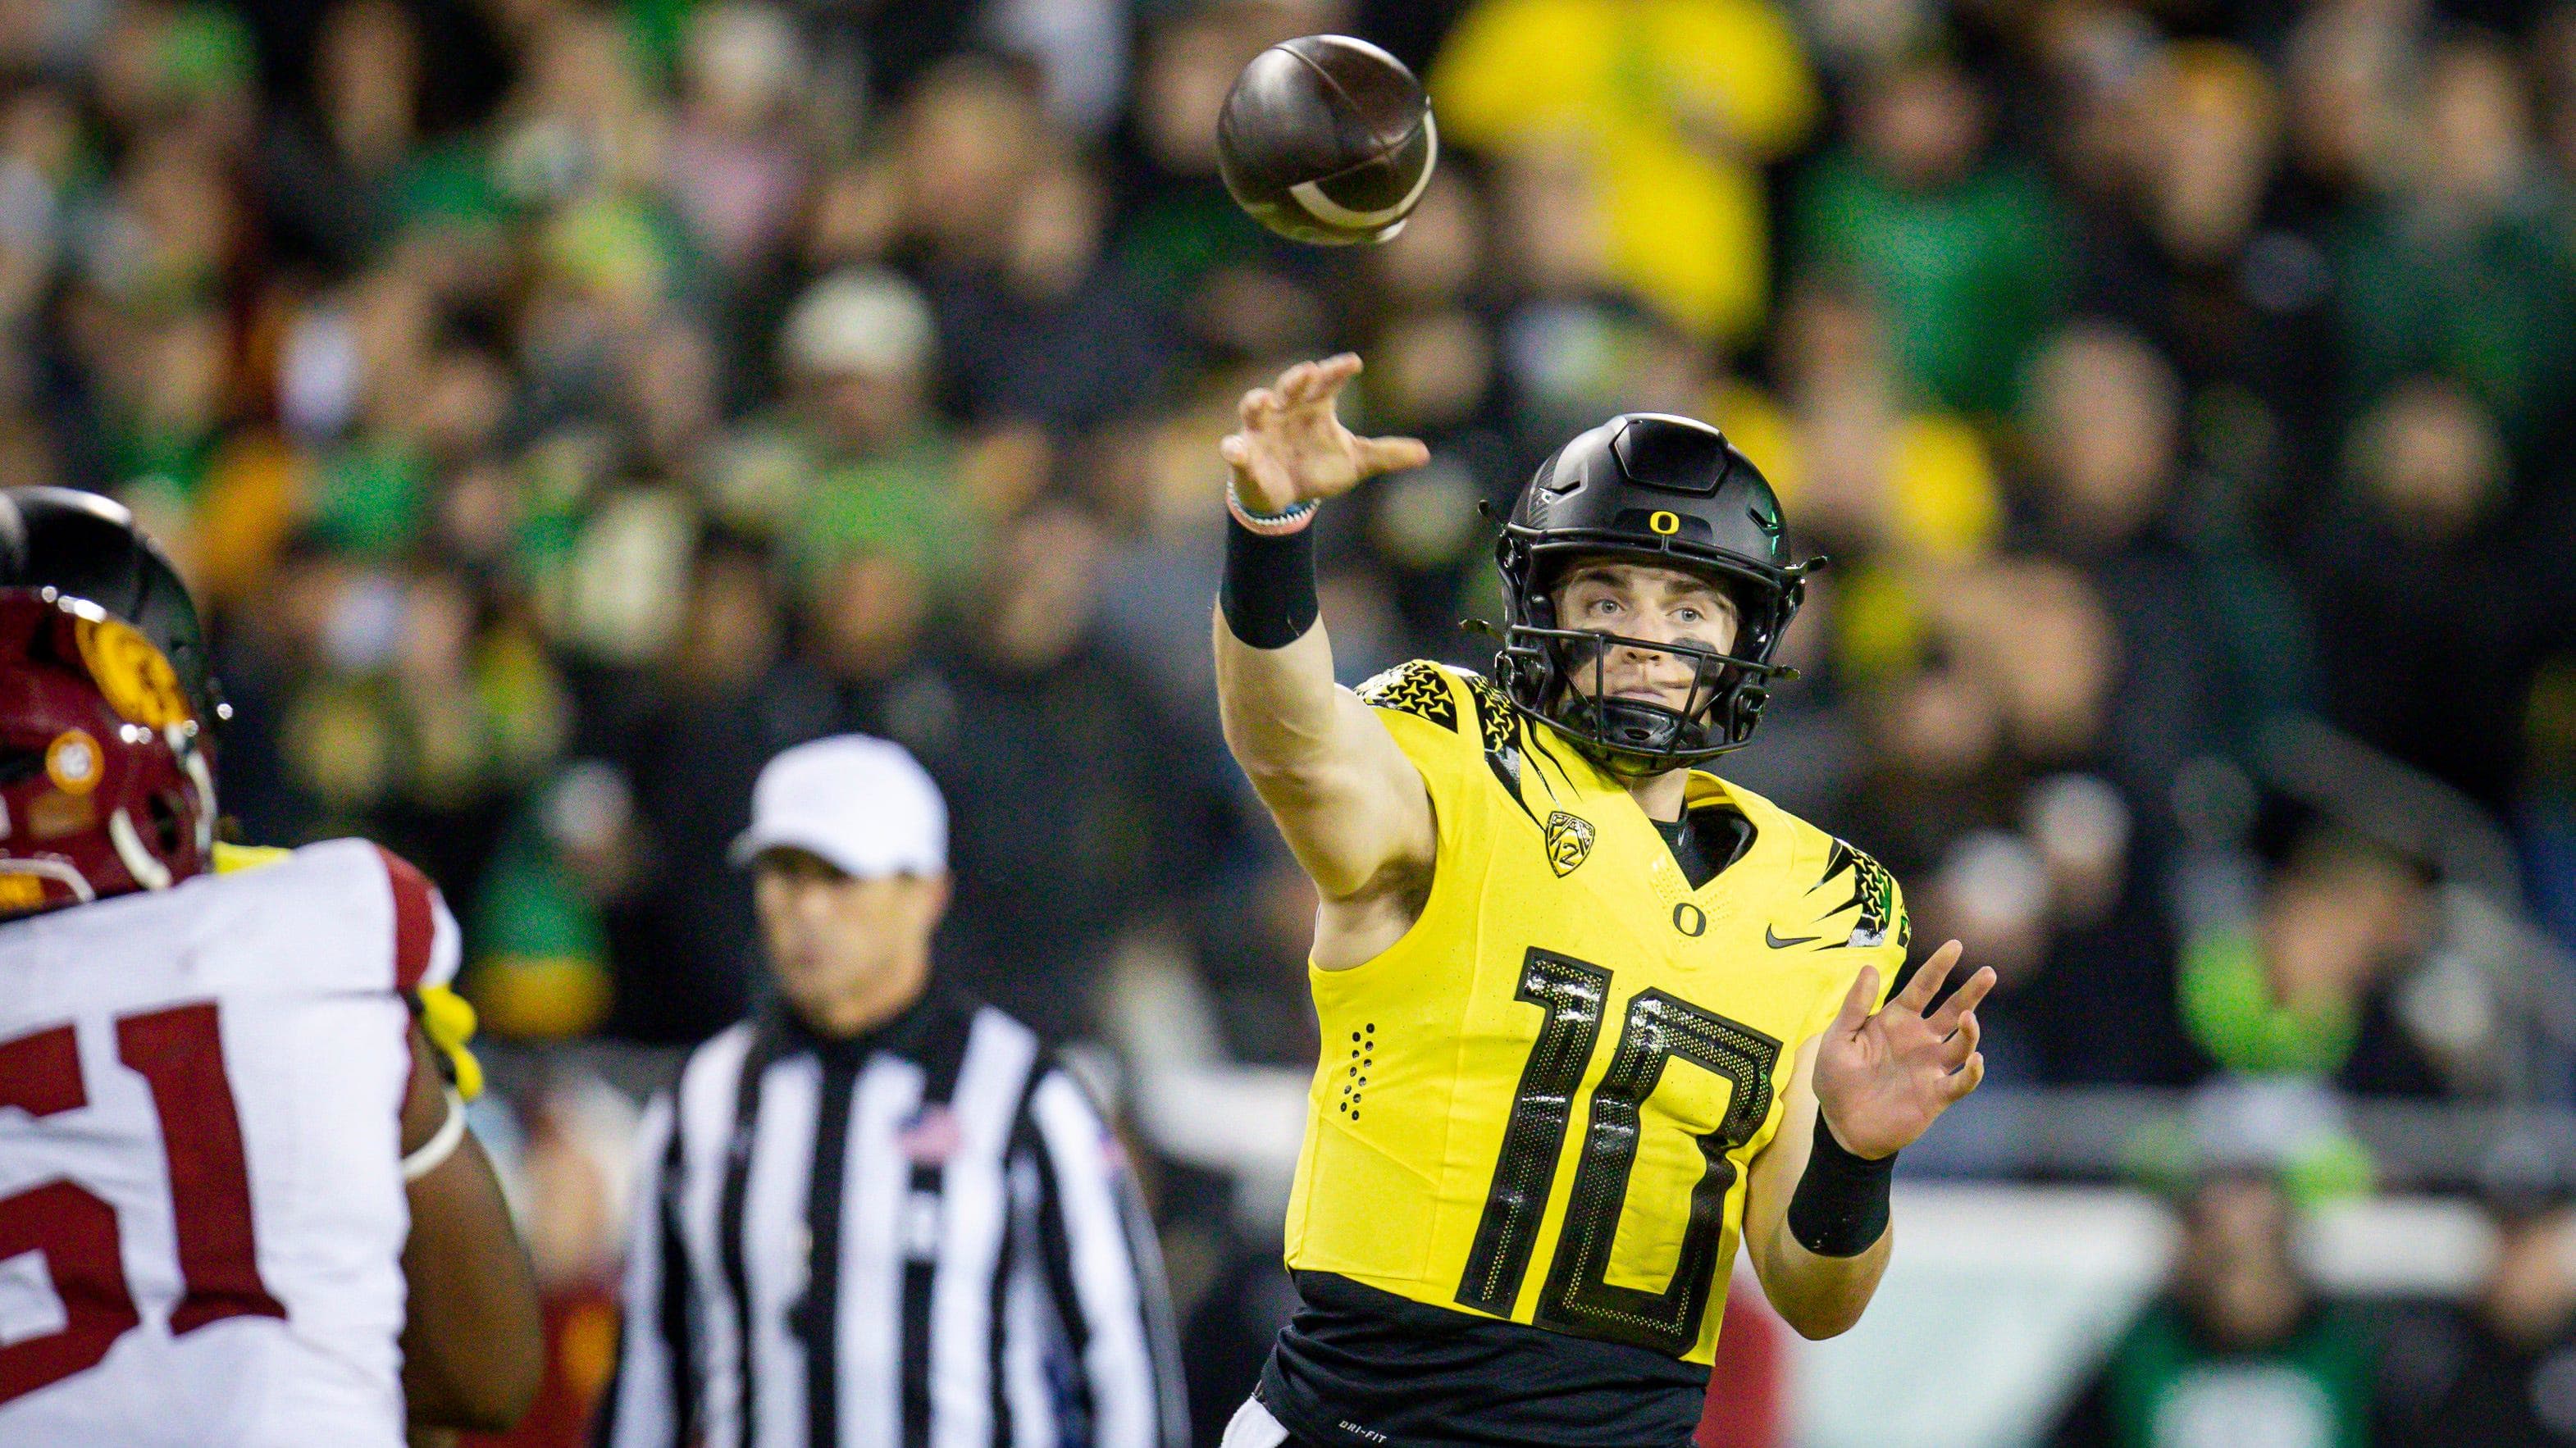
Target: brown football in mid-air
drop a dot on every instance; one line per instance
(1327, 139)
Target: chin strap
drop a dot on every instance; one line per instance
(55, 870)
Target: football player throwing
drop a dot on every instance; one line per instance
(1593, 1017)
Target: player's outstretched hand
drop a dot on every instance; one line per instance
(1883, 1077)
(1292, 448)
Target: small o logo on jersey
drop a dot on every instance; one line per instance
(1665, 524)
(73, 762)
(1569, 842)
(1690, 920)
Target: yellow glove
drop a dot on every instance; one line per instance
(445, 1017)
(231, 859)
(448, 1020)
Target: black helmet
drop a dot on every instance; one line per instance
(89, 547)
(1655, 489)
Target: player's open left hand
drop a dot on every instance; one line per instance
(1883, 1077)
(1291, 447)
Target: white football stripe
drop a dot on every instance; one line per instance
(1310, 194)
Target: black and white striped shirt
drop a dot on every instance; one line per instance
(925, 1238)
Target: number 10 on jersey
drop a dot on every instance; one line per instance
(1660, 1028)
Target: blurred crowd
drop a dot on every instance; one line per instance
(563, 408)
(563, 405)
(2247, 1345)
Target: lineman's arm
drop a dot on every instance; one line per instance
(1352, 807)
(473, 1345)
(1879, 1079)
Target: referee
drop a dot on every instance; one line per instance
(879, 1214)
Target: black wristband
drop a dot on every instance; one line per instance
(1841, 1206)
(1269, 590)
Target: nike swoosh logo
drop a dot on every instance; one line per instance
(1772, 939)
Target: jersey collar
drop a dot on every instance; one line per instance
(1596, 787)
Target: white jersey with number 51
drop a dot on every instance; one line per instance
(201, 1200)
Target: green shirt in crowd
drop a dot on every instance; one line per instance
(2169, 1387)
(1968, 274)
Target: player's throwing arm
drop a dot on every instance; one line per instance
(1351, 806)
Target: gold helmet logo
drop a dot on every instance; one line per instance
(1665, 524)
(1569, 841)
(136, 679)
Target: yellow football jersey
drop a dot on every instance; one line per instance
(1542, 1102)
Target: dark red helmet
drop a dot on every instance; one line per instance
(90, 547)
(104, 784)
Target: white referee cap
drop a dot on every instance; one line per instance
(863, 804)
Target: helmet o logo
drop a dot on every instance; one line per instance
(1664, 523)
(73, 762)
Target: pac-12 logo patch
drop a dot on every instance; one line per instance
(1569, 841)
